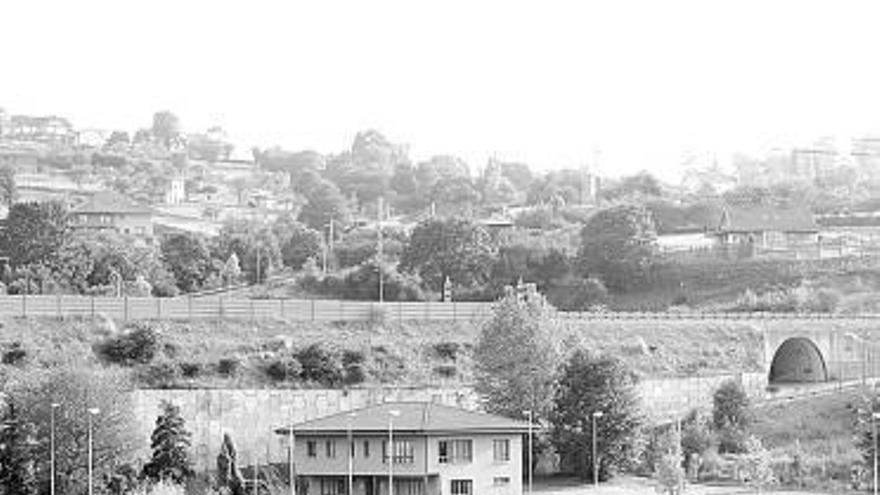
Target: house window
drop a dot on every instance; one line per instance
(330, 448)
(332, 487)
(312, 448)
(501, 449)
(455, 451)
(408, 487)
(403, 452)
(366, 448)
(462, 487)
(501, 481)
(352, 446)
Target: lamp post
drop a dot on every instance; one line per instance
(92, 412)
(596, 416)
(290, 470)
(52, 409)
(530, 415)
(874, 417)
(351, 417)
(391, 415)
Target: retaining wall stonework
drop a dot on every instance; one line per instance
(251, 416)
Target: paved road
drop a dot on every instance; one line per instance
(644, 486)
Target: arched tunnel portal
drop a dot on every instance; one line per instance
(798, 360)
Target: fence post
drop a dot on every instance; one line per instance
(341, 311)
(158, 308)
(125, 308)
(58, 305)
(313, 309)
(93, 307)
(189, 306)
(282, 308)
(220, 302)
(454, 312)
(24, 305)
(253, 311)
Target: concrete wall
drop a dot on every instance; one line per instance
(250, 416)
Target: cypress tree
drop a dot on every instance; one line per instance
(170, 443)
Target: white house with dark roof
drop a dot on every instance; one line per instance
(767, 227)
(437, 450)
(111, 211)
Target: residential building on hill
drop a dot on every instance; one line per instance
(767, 228)
(112, 211)
(48, 129)
(437, 450)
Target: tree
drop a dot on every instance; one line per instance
(8, 190)
(302, 243)
(34, 232)
(617, 245)
(117, 138)
(731, 405)
(231, 270)
(453, 248)
(324, 201)
(96, 258)
(170, 443)
(755, 468)
(731, 416)
(255, 246)
(17, 441)
(668, 471)
(588, 384)
(166, 127)
(635, 186)
(76, 389)
(228, 474)
(189, 259)
(517, 356)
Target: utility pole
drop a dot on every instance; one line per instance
(379, 261)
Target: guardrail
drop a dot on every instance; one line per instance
(221, 307)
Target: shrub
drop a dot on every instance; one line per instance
(583, 295)
(731, 406)
(14, 355)
(137, 345)
(190, 370)
(447, 350)
(446, 370)
(284, 369)
(320, 365)
(228, 366)
(161, 375)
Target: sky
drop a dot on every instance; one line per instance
(629, 85)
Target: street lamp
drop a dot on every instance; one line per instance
(596, 416)
(874, 417)
(93, 411)
(351, 417)
(530, 415)
(391, 415)
(52, 409)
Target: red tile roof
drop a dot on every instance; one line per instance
(415, 417)
(110, 202)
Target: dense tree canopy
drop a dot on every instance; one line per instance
(34, 232)
(453, 248)
(617, 246)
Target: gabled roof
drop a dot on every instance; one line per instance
(111, 202)
(767, 218)
(414, 417)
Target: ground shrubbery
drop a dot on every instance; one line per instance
(137, 345)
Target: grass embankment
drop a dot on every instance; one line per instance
(236, 354)
(821, 430)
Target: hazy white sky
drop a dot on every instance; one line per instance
(546, 82)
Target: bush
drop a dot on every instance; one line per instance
(731, 406)
(582, 295)
(446, 370)
(353, 364)
(447, 350)
(228, 366)
(162, 375)
(138, 345)
(320, 365)
(14, 354)
(190, 370)
(284, 369)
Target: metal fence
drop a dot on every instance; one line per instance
(219, 307)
